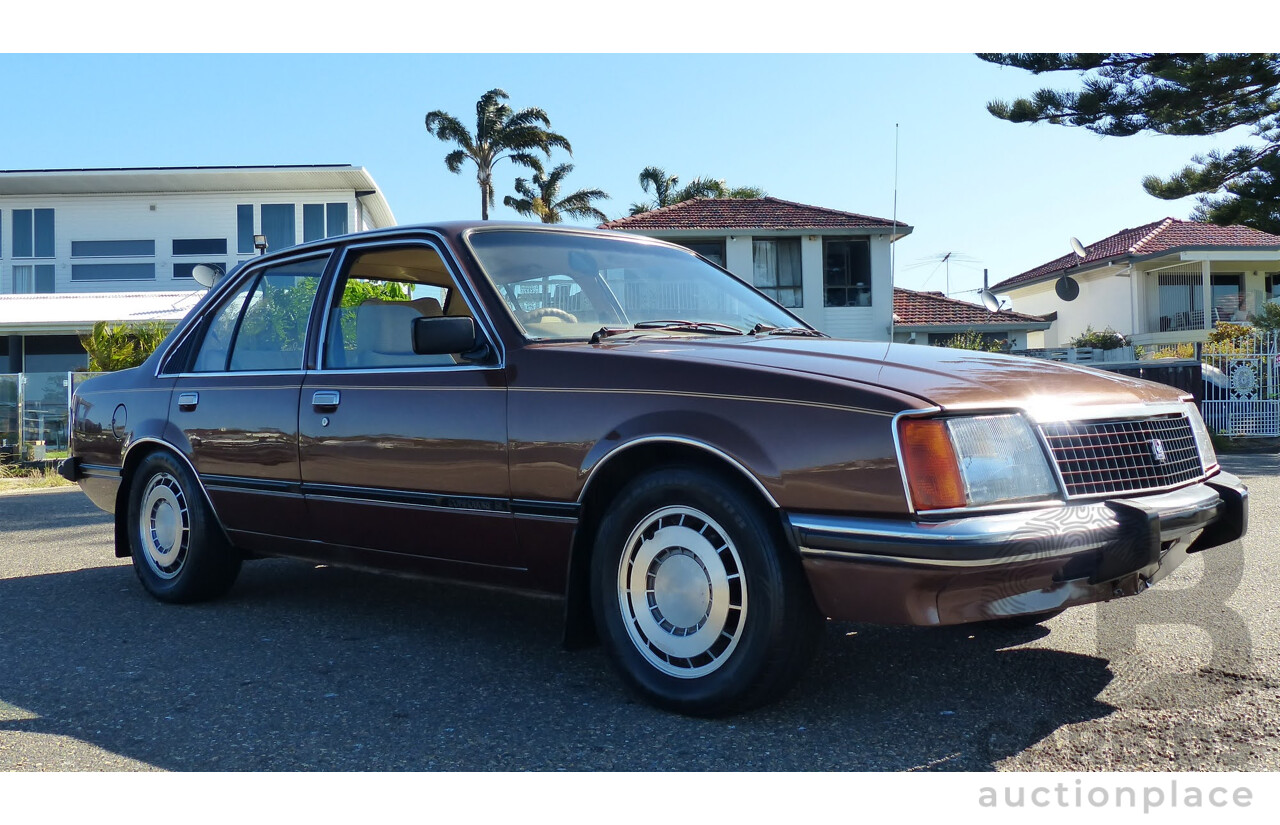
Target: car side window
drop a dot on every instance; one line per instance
(380, 294)
(263, 326)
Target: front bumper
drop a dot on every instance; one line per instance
(1009, 564)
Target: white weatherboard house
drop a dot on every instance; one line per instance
(1169, 281)
(84, 245)
(830, 267)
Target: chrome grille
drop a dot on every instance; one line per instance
(1119, 456)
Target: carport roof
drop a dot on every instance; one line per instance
(77, 312)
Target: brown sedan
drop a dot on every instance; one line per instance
(703, 477)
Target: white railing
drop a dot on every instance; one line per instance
(1242, 386)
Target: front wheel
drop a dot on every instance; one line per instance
(703, 610)
(179, 552)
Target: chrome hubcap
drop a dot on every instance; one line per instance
(681, 592)
(164, 525)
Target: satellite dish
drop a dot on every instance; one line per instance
(1067, 288)
(1079, 248)
(206, 274)
(989, 300)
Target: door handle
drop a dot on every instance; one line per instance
(188, 400)
(326, 398)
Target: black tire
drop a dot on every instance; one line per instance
(179, 553)
(714, 616)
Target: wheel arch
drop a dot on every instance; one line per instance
(608, 477)
(134, 455)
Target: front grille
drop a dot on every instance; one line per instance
(1120, 456)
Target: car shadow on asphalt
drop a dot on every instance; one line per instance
(316, 668)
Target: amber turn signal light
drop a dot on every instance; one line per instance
(933, 474)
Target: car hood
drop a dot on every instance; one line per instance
(948, 378)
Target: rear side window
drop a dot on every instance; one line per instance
(263, 326)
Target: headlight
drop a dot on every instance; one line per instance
(973, 461)
(1204, 444)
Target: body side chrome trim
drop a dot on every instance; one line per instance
(99, 471)
(688, 442)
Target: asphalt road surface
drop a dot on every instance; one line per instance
(306, 668)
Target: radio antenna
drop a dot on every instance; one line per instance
(893, 256)
(893, 251)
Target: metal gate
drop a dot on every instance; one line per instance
(1242, 386)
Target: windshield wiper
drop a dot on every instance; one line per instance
(693, 326)
(707, 327)
(769, 329)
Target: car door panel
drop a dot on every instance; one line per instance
(402, 452)
(237, 407)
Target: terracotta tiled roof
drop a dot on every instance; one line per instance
(911, 308)
(748, 213)
(1150, 239)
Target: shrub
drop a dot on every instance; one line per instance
(122, 346)
(1267, 318)
(1099, 339)
(1175, 351)
(1227, 331)
(972, 340)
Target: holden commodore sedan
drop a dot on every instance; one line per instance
(702, 476)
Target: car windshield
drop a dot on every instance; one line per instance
(566, 285)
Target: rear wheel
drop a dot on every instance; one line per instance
(179, 553)
(702, 609)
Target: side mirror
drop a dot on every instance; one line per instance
(444, 335)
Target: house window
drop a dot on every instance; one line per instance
(113, 272)
(1273, 286)
(33, 233)
(323, 220)
(336, 218)
(244, 229)
(113, 249)
(1228, 297)
(775, 269)
(278, 225)
(201, 246)
(712, 250)
(33, 278)
(846, 272)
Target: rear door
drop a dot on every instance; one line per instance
(236, 401)
(404, 453)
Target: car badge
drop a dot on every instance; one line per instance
(1157, 450)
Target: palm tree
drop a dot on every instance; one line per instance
(500, 133)
(667, 189)
(539, 199)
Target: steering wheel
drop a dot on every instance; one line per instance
(550, 312)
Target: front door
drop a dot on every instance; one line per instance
(404, 453)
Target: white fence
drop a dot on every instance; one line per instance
(1242, 386)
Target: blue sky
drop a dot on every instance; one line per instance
(817, 129)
